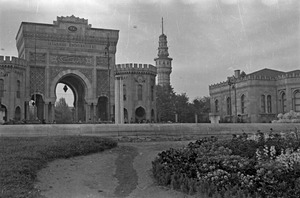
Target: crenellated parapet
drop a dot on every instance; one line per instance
(135, 68)
(8, 61)
(72, 19)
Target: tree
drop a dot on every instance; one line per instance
(182, 107)
(202, 108)
(165, 103)
(63, 114)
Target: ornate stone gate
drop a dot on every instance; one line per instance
(68, 51)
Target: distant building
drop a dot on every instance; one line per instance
(257, 97)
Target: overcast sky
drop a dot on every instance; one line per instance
(207, 39)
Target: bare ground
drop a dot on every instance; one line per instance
(124, 171)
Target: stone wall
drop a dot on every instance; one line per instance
(143, 130)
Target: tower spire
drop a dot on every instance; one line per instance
(163, 61)
(162, 25)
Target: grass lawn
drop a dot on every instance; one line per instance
(22, 157)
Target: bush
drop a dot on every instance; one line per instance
(241, 167)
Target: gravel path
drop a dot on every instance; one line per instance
(124, 171)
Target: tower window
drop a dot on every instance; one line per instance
(18, 88)
(124, 92)
(152, 93)
(140, 92)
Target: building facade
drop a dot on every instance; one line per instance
(72, 52)
(257, 97)
(135, 96)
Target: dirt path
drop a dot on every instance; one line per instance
(121, 172)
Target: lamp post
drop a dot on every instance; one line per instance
(232, 84)
(108, 71)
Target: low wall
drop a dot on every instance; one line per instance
(112, 130)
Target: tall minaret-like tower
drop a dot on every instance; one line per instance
(163, 62)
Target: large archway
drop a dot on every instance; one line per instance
(76, 84)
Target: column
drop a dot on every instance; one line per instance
(87, 112)
(121, 101)
(52, 112)
(95, 113)
(46, 112)
(117, 100)
(27, 110)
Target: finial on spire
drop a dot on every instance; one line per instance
(162, 25)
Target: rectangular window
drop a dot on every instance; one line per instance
(269, 104)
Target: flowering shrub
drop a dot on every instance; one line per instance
(266, 166)
(290, 117)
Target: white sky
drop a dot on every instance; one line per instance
(207, 39)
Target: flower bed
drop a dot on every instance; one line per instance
(261, 166)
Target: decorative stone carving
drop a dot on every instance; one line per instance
(37, 57)
(140, 79)
(102, 82)
(69, 59)
(102, 60)
(37, 80)
(54, 71)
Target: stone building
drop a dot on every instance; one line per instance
(135, 93)
(12, 88)
(72, 52)
(257, 97)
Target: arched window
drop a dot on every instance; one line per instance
(1, 87)
(297, 101)
(152, 93)
(18, 89)
(263, 103)
(140, 92)
(269, 104)
(228, 106)
(283, 102)
(217, 106)
(243, 104)
(124, 92)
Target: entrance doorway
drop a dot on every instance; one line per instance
(77, 88)
(102, 108)
(140, 115)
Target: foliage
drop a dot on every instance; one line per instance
(169, 103)
(165, 103)
(263, 166)
(22, 158)
(289, 117)
(63, 114)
